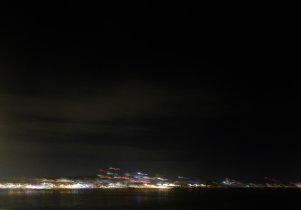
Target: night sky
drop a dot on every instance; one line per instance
(162, 88)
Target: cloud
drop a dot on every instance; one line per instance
(118, 109)
(121, 120)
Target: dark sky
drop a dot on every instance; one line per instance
(162, 88)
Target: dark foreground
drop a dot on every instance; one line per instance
(152, 199)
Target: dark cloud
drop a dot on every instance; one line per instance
(127, 110)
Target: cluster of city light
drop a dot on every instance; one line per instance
(41, 186)
(75, 185)
(110, 178)
(115, 178)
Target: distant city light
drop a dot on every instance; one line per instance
(106, 179)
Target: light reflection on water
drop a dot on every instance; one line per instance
(124, 199)
(80, 199)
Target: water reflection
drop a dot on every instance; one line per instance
(141, 199)
(73, 199)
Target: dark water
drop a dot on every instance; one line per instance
(152, 199)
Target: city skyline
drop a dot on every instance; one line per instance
(116, 178)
